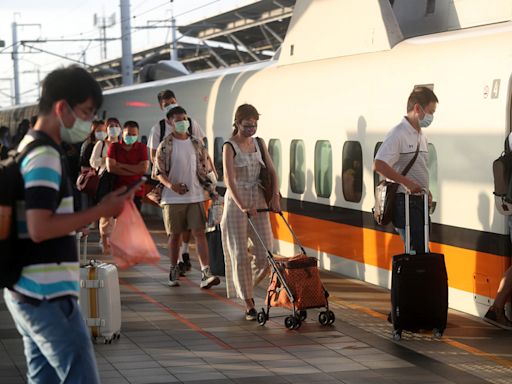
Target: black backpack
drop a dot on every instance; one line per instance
(502, 170)
(12, 190)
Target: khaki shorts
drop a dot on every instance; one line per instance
(179, 218)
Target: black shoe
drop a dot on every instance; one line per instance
(186, 261)
(251, 314)
(182, 268)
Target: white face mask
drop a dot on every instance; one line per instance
(77, 132)
(100, 135)
(427, 119)
(114, 131)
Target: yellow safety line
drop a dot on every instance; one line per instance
(456, 344)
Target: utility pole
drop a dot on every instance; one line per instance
(103, 23)
(174, 47)
(126, 43)
(15, 59)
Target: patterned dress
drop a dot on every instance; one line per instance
(245, 270)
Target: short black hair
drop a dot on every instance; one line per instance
(73, 84)
(166, 94)
(422, 96)
(176, 111)
(113, 120)
(131, 124)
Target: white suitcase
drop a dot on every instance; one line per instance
(100, 299)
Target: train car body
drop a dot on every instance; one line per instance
(313, 103)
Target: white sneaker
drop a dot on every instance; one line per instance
(207, 279)
(173, 277)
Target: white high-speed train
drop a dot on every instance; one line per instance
(329, 99)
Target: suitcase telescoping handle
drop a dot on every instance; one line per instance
(408, 225)
(280, 213)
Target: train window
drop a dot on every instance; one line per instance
(376, 176)
(323, 168)
(431, 7)
(432, 170)
(352, 171)
(274, 149)
(297, 166)
(217, 156)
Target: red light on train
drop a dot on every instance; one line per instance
(138, 104)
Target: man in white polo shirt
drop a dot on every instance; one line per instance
(397, 151)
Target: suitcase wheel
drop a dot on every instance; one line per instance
(292, 322)
(437, 333)
(326, 317)
(262, 317)
(397, 334)
(303, 314)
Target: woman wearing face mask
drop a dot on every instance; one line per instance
(97, 160)
(242, 163)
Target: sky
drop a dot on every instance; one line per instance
(72, 19)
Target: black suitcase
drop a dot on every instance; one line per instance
(419, 286)
(215, 252)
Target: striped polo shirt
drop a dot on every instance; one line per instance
(51, 267)
(398, 149)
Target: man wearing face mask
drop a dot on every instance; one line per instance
(182, 166)
(129, 160)
(167, 101)
(398, 149)
(43, 302)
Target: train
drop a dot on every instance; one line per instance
(325, 108)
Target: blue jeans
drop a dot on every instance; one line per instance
(57, 343)
(416, 221)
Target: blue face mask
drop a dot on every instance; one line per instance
(77, 132)
(130, 139)
(427, 119)
(182, 126)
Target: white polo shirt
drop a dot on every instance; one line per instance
(154, 135)
(398, 149)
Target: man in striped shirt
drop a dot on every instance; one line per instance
(43, 302)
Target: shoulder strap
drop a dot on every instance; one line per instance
(162, 130)
(506, 145)
(408, 167)
(260, 144)
(230, 143)
(190, 126)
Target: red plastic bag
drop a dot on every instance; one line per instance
(130, 241)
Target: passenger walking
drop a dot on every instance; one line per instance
(181, 165)
(43, 302)
(398, 149)
(242, 163)
(167, 100)
(98, 161)
(129, 160)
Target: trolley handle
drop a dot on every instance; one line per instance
(280, 213)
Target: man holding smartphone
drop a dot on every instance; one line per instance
(181, 165)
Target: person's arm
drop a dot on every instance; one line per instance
(42, 198)
(385, 170)
(116, 168)
(153, 142)
(96, 160)
(135, 169)
(152, 154)
(44, 224)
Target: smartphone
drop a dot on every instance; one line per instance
(135, 185)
